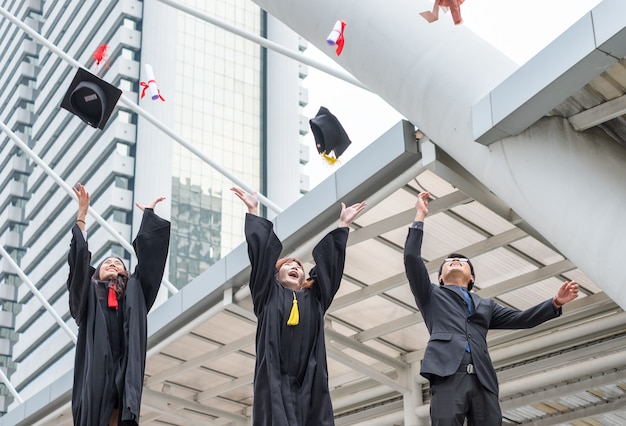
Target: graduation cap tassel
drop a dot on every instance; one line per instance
(329, 159)
(294, 315)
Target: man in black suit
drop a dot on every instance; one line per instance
(463, 382)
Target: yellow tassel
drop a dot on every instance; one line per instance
(294, 316)
(330, 160)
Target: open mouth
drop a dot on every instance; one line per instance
(293, 274)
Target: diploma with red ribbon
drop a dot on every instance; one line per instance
(151, 85)
(453, 5)
(335, 38)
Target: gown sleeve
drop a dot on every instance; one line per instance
(151, 247)
(79, 277)
(329, 256)
(264, 248)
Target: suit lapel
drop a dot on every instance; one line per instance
(454, 289)
(457, 291)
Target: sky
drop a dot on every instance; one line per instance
(518, 28)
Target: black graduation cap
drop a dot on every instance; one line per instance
(91, 98)
(329, 135)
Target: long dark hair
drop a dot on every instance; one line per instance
(119, 283)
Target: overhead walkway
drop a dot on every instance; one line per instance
(458, 90)
(526, 167)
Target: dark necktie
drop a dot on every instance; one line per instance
(470, 310)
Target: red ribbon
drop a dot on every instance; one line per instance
(112, 300)
(145, 87)
(340, 39)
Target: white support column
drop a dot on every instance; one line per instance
(412, 398)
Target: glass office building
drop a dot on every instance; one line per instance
(223, 94)
(218, 109)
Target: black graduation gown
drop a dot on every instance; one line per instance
(96, 374)
(291, 374)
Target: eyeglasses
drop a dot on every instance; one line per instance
(459, 259)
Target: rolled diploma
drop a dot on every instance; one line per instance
(152, 86)
(334, 34)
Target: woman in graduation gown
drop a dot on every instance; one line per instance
(110, 307)
(291, 374)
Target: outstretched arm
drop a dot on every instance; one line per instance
(151, 246)
(349, 213)
(83, 205)
(506, 318)
(416, 272)
(250, 200)
(79, 259)
(264, 248)
(329, 255)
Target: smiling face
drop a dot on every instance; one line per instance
(456, 270)
(290, 273)
(110, 268)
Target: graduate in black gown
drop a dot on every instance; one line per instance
(291, 374)
(110, 307)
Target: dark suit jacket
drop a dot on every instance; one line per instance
(451, 327)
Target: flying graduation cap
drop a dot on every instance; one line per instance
(329, 135)
(91, 98)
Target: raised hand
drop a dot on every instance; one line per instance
(250, 200)
(421, 206)
(151, 205)
(567, 292)
(349, 213)
(83, 205)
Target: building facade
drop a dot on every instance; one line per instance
(225, 95)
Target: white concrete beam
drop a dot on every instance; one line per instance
(582, 52)
(599, 114)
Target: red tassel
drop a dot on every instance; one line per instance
(112, 297)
